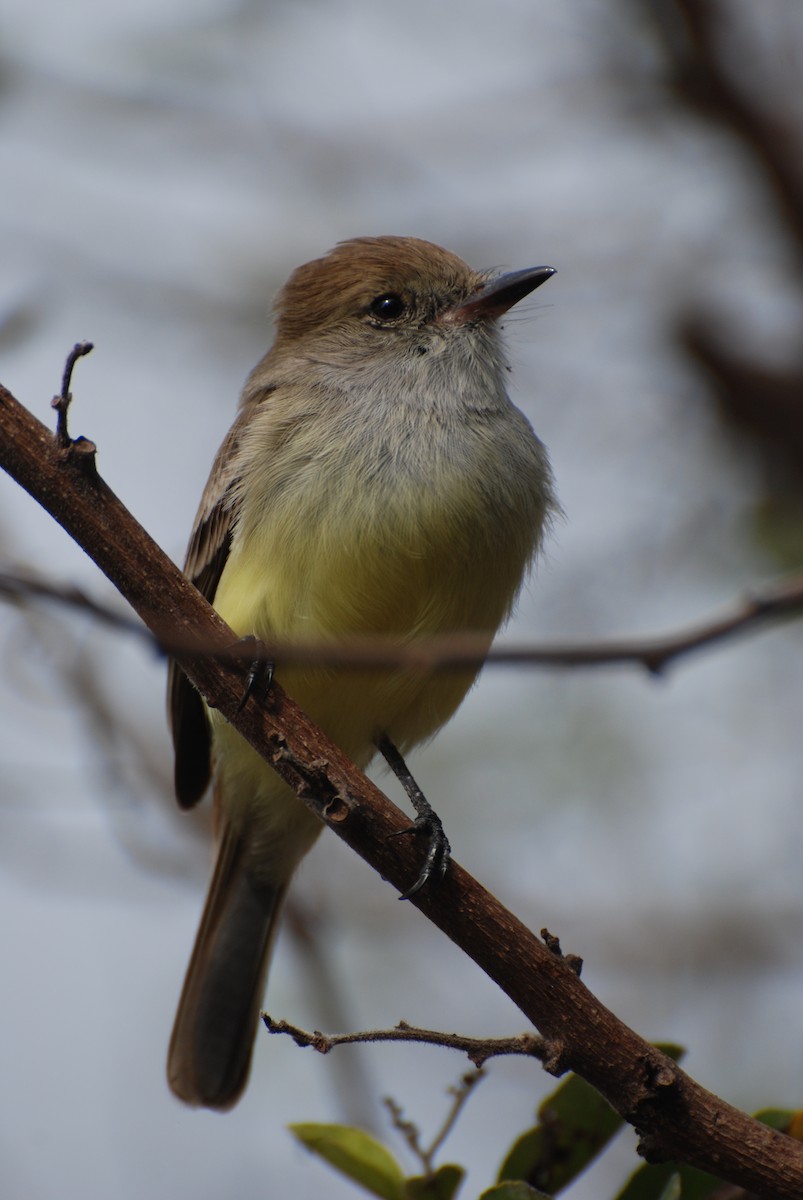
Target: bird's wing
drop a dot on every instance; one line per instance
(207, 555)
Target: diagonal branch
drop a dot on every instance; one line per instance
(676, 1117)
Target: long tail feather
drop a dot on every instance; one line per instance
(213, 1035)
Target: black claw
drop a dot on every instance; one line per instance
(427, 824)
(259, 677)
(436, 861)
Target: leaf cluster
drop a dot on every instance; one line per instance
(574, 1126)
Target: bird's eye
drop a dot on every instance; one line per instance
(387, 307)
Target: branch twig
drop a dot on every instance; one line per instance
(478, 1050)
(411, 1133)
(62, 402)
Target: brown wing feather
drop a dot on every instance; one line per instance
(207, 555)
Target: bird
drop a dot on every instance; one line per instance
(377, 480)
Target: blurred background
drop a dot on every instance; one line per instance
(164, 168)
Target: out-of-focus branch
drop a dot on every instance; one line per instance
(749, 86)
(768, 125)
(676, 1117)
(760, 606)
(351, 1079)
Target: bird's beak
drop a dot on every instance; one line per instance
(502, 293)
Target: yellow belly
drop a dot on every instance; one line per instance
(322, 559)
(327, 585)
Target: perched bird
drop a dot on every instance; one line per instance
(377, 480)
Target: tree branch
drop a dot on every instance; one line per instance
(676, 1117)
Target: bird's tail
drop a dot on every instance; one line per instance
(213, 1035)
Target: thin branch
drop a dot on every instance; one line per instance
(411, 1133)
(478, 1050)
(16, 588)
(460, 1094)
(62, 402)
(351, 1076)
(676, 1118)
(764, 605)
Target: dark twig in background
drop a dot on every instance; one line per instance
(352, 1082)
(749, 87)
(758, 608)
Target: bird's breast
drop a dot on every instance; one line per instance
(417, 528)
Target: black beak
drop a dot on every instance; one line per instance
(502, 293)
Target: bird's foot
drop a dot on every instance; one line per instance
(436, 860)
(260, 673)
(427, 823)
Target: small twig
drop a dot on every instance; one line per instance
(478, 1050)
(552, 944)
(61, 403)
(460, 1093)
(410, 1131)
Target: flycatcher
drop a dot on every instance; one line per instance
(377, 480)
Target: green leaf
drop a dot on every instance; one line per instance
(575, 1124)
(668, 1181)
(671, 1050)
(442, 1185)
(357, 1155)
(697, 1185)
(513, 1189)
(777, 1118)
(672, 1190)
(649, 1182)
